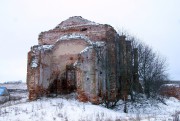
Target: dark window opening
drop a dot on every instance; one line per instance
(83, 29)
(71, 58)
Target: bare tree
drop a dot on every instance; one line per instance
(151, 68)
(138, 63)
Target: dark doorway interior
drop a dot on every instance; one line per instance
(66, 84)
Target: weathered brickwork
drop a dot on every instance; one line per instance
(82, 56)
(170, 90)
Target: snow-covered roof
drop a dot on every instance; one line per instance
(75, 36)
(42, 47)
(170, 85)
(83, 37)
(99, 44)
(45, 47)
(75, 21)
(37, 48)
(86, 49)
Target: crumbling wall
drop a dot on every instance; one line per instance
(91, 74)
(94, 32)
(84, 56)
(65, 54)
(38, 71)
(111, 64)
(50, 67)
(170, 90)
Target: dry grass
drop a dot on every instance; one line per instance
(176, 116)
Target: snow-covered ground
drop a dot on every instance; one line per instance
(15, 86)
(67, 108)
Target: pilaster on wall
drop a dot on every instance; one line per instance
(30, 81)
(123, 67)
(33, 72)
(111, 64)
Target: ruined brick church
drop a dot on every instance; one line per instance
(82, 56)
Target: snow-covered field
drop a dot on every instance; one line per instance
(67, 108)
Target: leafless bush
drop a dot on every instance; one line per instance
(60, 105)
(152, 68)
(176, 116)
(138, 118)
(60, 115)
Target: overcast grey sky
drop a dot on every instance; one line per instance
(156, 22)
